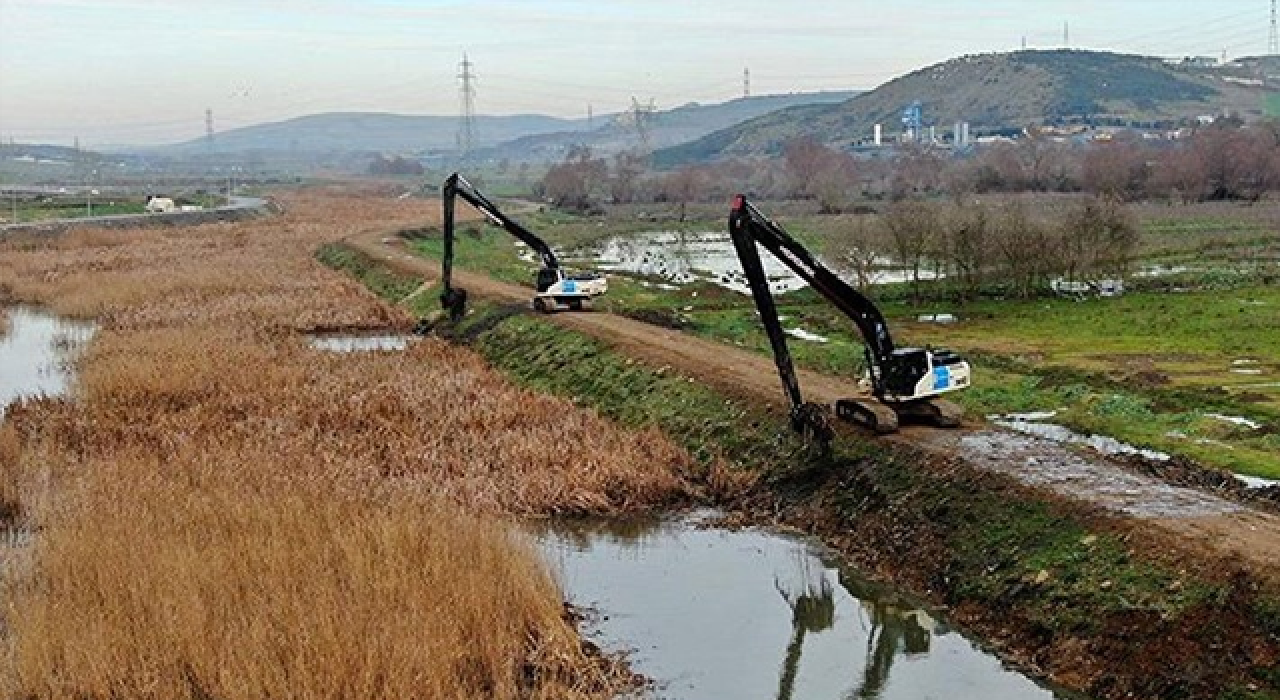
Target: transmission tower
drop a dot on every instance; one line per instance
(1273, 41)
(467, 115)
(640, 115)
(208, 129)
(746, 82)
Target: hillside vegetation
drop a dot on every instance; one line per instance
(996, 92)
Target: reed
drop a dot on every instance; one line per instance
(224, 512)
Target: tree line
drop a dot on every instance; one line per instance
(1226, 160)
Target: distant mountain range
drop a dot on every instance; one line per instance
(528, 137)
(371, 131)
(659, 129)
(1004, 91)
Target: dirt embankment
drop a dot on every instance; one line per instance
(1205, 524)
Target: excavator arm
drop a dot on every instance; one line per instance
(455, 299)
(748, 226)
(903, 380)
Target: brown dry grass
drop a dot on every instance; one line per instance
(225, 512)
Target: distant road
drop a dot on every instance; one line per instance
(238, 208)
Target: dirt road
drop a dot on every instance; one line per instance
(1221, 526)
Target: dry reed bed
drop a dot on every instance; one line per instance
(226, 512)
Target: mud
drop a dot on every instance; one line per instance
(1040, 463)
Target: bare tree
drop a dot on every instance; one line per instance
(860, 249)
(628, 167)
(967, 247)
(1023, 247)
(804, 157)
(1118, 170)
(912, 228)
(573, 183)
(682, 186)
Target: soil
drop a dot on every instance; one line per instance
(1208, 526)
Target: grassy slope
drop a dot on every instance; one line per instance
(976, 542)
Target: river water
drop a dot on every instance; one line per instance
(709, 613)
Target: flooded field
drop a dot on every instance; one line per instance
(685, 257)
(708, 613)
(35, 354)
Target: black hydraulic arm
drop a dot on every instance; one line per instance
(745, 245)
(457, 186)
(748, 225)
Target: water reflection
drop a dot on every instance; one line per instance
(712, 613)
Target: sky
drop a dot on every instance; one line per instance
(111, 72)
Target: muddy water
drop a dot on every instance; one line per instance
(708, 613)
(36, 352)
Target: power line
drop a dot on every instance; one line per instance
(467, 117)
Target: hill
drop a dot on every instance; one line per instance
(371, 131)
(996, 92)
(664, 128)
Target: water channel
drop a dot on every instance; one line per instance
(708, 613)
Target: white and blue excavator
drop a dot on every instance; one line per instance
(555, 289)
(905, 383)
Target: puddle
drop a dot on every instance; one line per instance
(711, 614)
(802, 334)
(936, 318)
(355, 342)
(1163, 270)
(1256, 482)
(1243, 370)
(35, 354)
(1030, 424)
(685, 257)
(1236, 420)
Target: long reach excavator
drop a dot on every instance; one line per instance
(905, 382)
(555, 288)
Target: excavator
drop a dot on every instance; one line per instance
(905, 383)
(556, 289)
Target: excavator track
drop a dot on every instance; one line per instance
(868, 413)
(938, 413)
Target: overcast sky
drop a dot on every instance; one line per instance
(144, 71)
